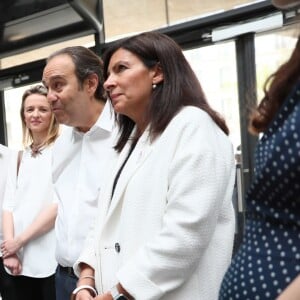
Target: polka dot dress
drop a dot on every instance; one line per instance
(269, 256)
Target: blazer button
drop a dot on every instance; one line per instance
(117, 247)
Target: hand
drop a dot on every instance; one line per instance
(10, 247)
(292, 291)
(13, 264)
(106, 296)
(83, 295)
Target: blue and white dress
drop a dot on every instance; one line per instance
(269, 256)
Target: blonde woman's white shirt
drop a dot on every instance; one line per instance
(80, 162)
(6, 155)
(26, 196)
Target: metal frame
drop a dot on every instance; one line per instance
(246, 71)
(86, 10)
(74, 26)
(3, 131)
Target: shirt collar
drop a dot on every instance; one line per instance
(105, 121)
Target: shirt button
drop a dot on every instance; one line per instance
(117, 247)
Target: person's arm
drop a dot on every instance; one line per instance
(9, 204)
(12, 262)
(85, 294)
(9, 201)
(108, 295)
(7, 225)
(292, 292)
(85, 283)
(42, 224)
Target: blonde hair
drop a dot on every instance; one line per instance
(53, 130)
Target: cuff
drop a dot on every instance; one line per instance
(137, 285)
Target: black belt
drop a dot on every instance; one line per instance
(67, 270)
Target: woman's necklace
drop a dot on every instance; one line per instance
(36, 149)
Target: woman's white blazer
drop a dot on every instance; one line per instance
(167, 232)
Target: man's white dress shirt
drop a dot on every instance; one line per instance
(80, 165)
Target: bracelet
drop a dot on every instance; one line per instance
(83, 287)
(87, 276)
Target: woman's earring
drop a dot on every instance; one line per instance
(154, 86)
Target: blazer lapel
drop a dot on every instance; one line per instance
(141, 151)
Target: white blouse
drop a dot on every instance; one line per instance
(5, 156)
(26, 196)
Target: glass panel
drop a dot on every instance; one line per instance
(128, 17)
(215, 66)
(123, 18)
(44, 52)
(180, 11)
(132, 16)
(272, 50)
(12, 101)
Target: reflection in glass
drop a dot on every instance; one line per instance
(215, 66)
(123, 18)
(12, 100)
(272, 50)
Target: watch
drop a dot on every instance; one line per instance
(116, 294)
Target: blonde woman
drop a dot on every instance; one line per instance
(29, 211)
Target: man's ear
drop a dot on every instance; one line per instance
(91, 83)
